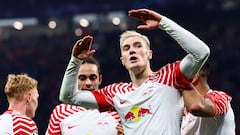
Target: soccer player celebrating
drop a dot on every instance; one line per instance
(149, 104)
(68, 119)
(22, 95)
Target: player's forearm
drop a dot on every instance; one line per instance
(197, 104)
(69, 82)
(190, 43)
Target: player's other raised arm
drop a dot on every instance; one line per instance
(69, 92)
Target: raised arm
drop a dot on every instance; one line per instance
(198, 50)
(69, 92)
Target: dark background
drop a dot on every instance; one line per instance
(44, 53)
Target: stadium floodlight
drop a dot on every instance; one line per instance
(24, 21)
(85, 19)
(116, 17)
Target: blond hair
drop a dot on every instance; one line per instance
(17, 85)
(131, 33)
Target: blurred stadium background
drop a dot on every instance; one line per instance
(36, 37)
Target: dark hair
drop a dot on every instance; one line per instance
(92, 60)
(206, 67)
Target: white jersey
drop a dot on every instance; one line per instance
(222, 123)
(75, 120)
(154, 107)
(14, 123)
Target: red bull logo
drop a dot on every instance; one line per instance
(136, 113)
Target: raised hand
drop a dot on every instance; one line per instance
(82, 48)
(149, 17)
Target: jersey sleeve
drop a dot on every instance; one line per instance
(171, 75)
(103, 105)
(181, 81)
(220, 100)
(104, 96)
(198, 51)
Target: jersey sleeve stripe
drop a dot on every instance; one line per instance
(220, 100)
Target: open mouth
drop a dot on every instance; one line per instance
(133, 58)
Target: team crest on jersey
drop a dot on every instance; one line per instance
(136, 113)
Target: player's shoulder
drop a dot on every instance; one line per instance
(21, 124)
(16, 116)
(219, 94)
(61, 108)
(216, 91)
(5, 118)
(21, 118)
(169, 66)
(27, 123)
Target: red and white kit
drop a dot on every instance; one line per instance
(222, 123)
(153, 108)
(14, 123)
(75, 120)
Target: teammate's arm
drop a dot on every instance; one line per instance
(69, 92)
(196, 104)
(197, 49)
(212, 103)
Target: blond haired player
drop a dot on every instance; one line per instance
(22, 95)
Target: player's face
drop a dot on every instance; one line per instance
(135, 53)
(32, 103)
(88, 77)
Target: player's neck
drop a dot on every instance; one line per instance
(140, 77)
(17, 106)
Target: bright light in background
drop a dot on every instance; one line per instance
(84, 20)
(116, 17)
(18, 25)
(24, 21)
(52, 24)
(84, 23)
(116, 20)
(78, 32)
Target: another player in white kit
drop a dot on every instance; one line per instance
(208, 111)
(22, 95)
(150, 104)
(68, 119)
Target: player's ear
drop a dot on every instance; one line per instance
(150, 54)
(28, 97)
(121, 59)
(100, 79)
